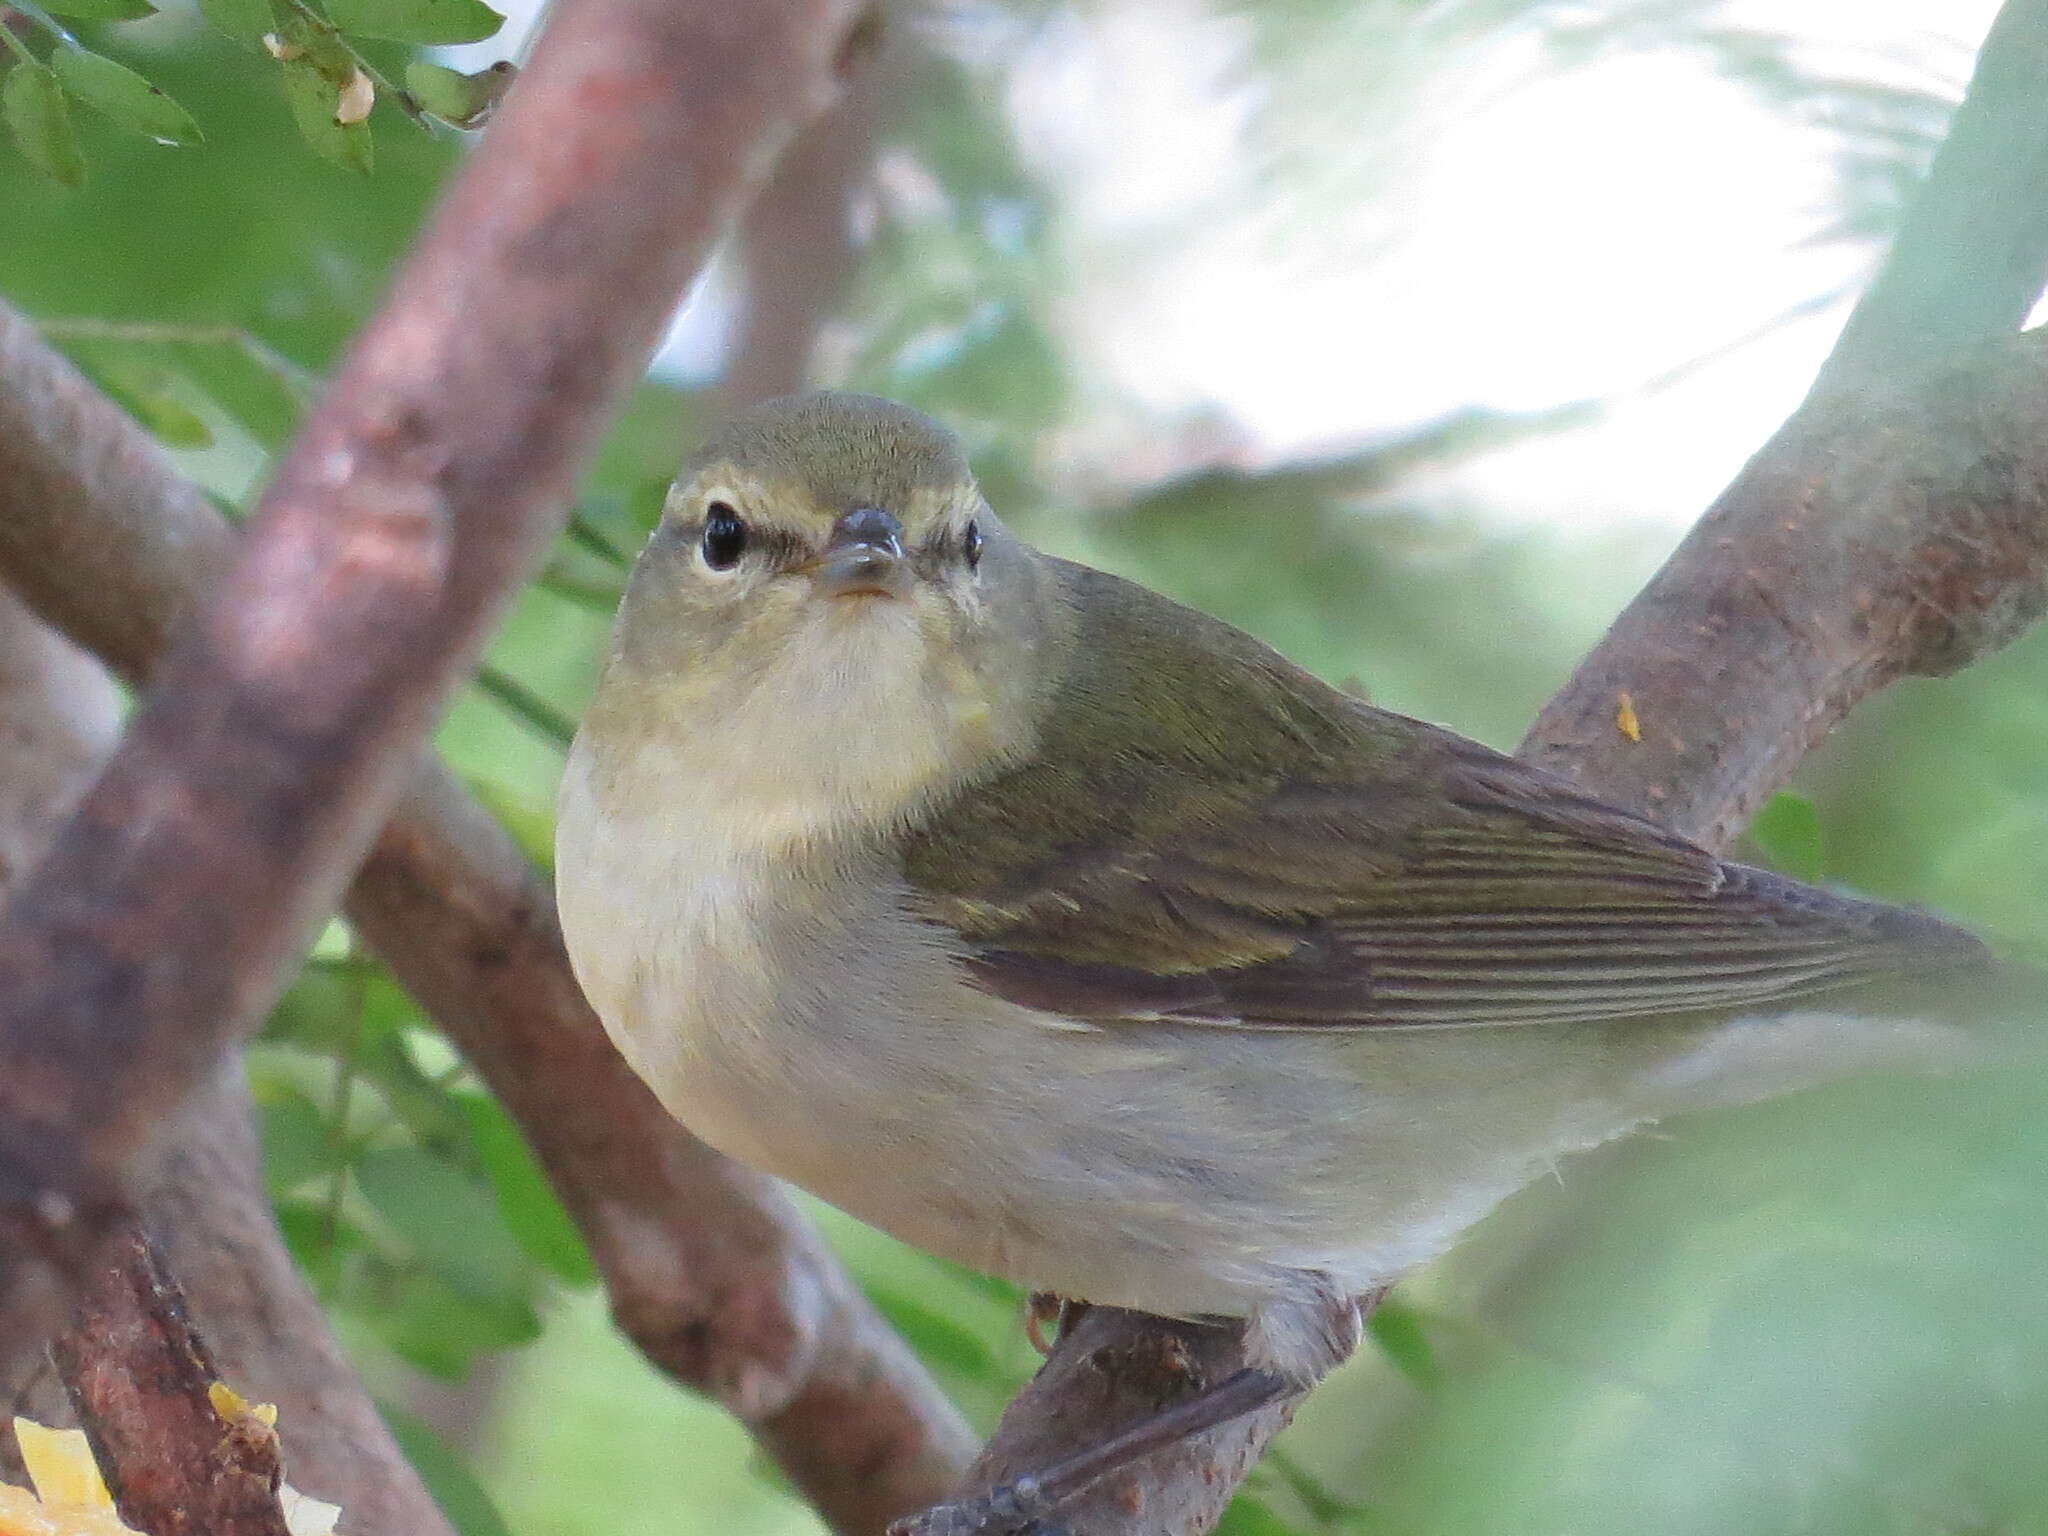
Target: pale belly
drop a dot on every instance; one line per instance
(829, 1039)
(804, 1023)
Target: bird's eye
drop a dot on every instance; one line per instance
(725, 537)
(970, 544)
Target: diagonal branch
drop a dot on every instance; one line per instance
(1877, 534)
(141, 1379)
(281, 724)
(1971, 256)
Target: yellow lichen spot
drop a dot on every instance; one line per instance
(1625, 719)
(233, 1407)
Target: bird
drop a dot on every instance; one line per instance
(1078, 937)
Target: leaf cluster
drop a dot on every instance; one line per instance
(326, 56)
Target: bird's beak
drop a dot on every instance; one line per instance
(864, 557)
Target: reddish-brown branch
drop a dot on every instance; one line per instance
(283, 722)
(1888, 528)
(709, 1268)
(138, 1374)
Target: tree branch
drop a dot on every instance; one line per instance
(798, 243)
(1970, 258)
(1884, 533)
(418, 494)
(140, 1376)
(1879, 534)
(709, 1268)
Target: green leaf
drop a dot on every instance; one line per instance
(124, 96)
(423, 1105)
(417, 21)
(454, 97)
(1398, 1332)
(313, 99)
(1787, 830)
(434, 1326)
(525, 1201)
(33, 103)
(448, 1219)
(155, 397)
(101, 10)
(321, 1239)
(448, 1478)
(938, 1338)
(1248, 1515)
(530, 821)
(321, 1010)
(298, 1143)
(246, 21)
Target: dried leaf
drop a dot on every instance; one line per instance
(314, 100)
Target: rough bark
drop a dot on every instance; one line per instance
(1878, 535)
(1892, 526)
(139, 1375)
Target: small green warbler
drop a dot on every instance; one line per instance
(1083, 939)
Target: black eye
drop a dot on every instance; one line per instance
(970, 544)
(725, 537)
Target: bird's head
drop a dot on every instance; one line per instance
(826, 562)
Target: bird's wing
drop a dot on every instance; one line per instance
(1210, 835)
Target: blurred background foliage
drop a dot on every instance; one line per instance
(1406, 335)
